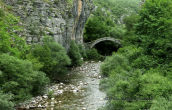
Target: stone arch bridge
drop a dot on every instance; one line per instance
(90, 45)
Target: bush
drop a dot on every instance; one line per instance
(5, 103)
(58, 56)
(92, 54)
(40, 82)
(35, 62)
(10, 42)
(131, 90)
(52, 55)
(112, 62)
(50, 93)
(19, 78)
(131, 52)
(82, 50)
(74, 54)
(43, 54)
(116, 32)
(145, 62)
(162, 103)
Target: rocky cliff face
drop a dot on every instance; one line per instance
(64, 20)
(142, 2)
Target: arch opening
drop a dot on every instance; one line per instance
(107, 47)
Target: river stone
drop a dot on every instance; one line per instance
(84, 108)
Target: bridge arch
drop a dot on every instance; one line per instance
(90, 45)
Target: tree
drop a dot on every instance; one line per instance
(52, 55)
(58, 56)
(74, 54)
(19, 78)
(5, 103)
(130, 21)
(10, 42)
(154, 28)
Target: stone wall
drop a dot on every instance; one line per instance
(64, 20)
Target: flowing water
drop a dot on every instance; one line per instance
(79, 91)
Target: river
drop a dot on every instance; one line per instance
(79, 91)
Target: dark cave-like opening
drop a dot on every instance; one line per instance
(106, 48)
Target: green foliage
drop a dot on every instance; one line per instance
(101, 25)
(58, 56)
(52, 55)
(5, 103)
(116, 32)
(95, 28)
(131, 52)
(154, 28)
(162, 103)
(130, 90)
(69, 2)
(56, 2)
(10, 42)
(43, 54)
(35, 61)
(50, 93)
(142, 81)
(92, 54)
(112, 62)
(18, 75)
(74, 54)
(82, 50)
(118, 7)
(145, 62)
(39, 84)
(131, 21)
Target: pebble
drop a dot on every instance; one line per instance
(74, 91)
(45, 97)
(52, 103)
(84, 108)
(101, 99)
(39, 105)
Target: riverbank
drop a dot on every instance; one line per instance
(80, 91)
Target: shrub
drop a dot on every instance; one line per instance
(43, 53)
(112, 62)
(74, 54)
(131, 52)
(5, 103)
(50, 93)
(162, 103)
(144, 61)
(10, 42)
(35, 62)
(58, 55)
(136, 91)
(82, 50)
(18, 77)
(92, 54)
(39, 83)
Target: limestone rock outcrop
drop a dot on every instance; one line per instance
(64, 20)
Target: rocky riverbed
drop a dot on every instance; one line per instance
(79, 91)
